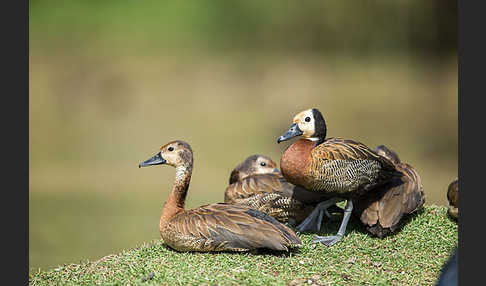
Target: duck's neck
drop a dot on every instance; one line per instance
(177, 198)
(319, 127)
(179, 191)
(316, 140)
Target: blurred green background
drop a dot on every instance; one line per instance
(111, 81)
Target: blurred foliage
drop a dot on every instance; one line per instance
(363, 28)
(111, 81)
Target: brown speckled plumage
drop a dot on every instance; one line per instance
(269, 192)
(453, 198)
(250, 185)
(214, 227)
(382, 210)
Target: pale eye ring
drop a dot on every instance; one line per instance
(307, 119)
(263, 164)
(170, 148)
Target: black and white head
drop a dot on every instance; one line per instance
(309, 124)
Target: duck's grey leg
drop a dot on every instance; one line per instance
(314, 220)
(330, 240)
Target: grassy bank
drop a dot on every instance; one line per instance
(412, 256)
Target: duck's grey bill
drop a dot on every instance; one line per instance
(155, 160)
(293, 132)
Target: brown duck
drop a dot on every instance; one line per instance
(453, 198)
(382, 210)
(258, 183)
(214, 227)
(339, 168)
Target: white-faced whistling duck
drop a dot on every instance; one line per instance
(256, 182)
(214, 227)
(382, 209)
(340, 168)
(453, 198)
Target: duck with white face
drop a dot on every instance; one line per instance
(309, 124)
(340, 168)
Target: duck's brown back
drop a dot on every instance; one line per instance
(224, 227)
(382, 210)
(279, 206)
(273, 195)
(249, 186)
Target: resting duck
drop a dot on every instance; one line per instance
(258, 183)
(382, 210)
(453, 198)
(253, 165)
(214, 227)
(339, 168)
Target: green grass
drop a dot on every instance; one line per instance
(412, 256)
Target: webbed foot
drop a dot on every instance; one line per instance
(331, 240)
(327, 240)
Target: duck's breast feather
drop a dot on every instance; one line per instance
(294, 161)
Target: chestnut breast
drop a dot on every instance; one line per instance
(294, 161)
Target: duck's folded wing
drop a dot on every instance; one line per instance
(251, 185)
(402, 199)
(344, 149)
(223, 227)
(351, 161)
(278, 205)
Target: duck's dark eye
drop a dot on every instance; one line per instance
(307, 119)
(263, 164)
(170, 148)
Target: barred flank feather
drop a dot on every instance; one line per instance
(271, 194)
(342, 166)
(278, 205)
